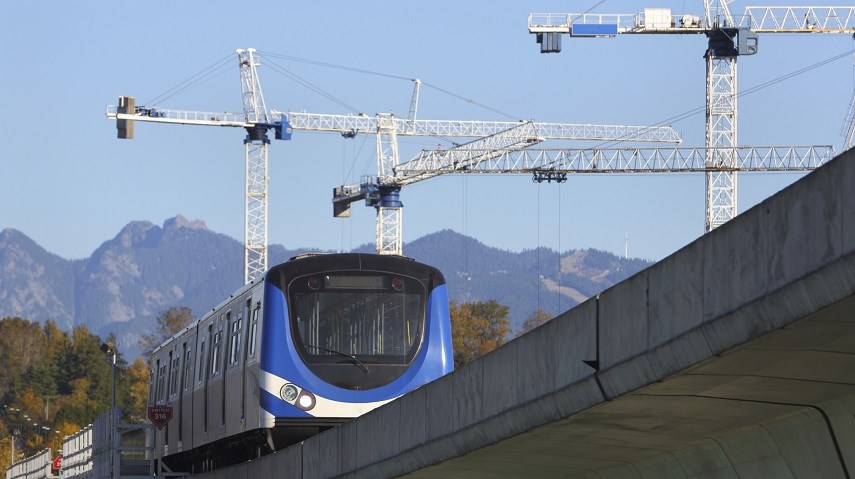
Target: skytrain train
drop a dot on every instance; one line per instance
(318, 340)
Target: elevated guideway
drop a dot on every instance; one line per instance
(733, 357)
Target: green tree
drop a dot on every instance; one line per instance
(169, 322)
(78, 407)
(88, 373)
(534, 320)
(45, 375)
(21, 346)
(477, 328)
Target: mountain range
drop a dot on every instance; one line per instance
(145, 269)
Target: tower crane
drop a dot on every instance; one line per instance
(728, 38)
(505, 152)
(383, 192)
(258, 121)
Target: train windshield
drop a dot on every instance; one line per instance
(353, 328)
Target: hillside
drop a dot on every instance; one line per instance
(146, 268)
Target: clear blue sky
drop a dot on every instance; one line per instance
(69, 184)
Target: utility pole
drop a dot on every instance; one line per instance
(109, 349)
(47, 407)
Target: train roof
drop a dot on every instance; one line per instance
(254, 283)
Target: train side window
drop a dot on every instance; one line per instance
(253, 329)
(234, 348)
(215, 352)
(188, 371)
(157, 382)
(227, 347)
(247, 310)
(173, 380)
(201, 362)
(161, 383)
(151, 381)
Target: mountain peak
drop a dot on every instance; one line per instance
(179, 221)
(134, 233)
(10, 233)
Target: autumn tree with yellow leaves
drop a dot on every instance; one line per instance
(477, 328)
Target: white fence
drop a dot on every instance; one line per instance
(33, 467)
(87, 454)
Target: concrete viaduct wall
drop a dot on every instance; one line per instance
(783, 260)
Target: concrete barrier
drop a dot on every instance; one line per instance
(678, 386)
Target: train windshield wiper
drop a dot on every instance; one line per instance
(352, 357)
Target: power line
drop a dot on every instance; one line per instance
(200, 77)
(754, 89)
(389, 75)
(302, 81)
(332, 65)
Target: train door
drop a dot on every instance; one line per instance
(251, 391)
(172, 393)
(233, 415)
(185, 403)
(246, 312)
(215, 386)
(200, 390)
(156, 391)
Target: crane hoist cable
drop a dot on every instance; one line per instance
(538, 247)
(465, 233)
(558, 279)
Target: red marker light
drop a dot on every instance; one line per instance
(314, 282)
(397, 284)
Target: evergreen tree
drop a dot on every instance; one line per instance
(21, 346)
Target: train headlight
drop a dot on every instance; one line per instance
(306, 400)
(289, 393)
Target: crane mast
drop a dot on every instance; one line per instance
(389, 207)
(720, 137)
(727, 39)
(256, 162)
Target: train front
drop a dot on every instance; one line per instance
(345, 333)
